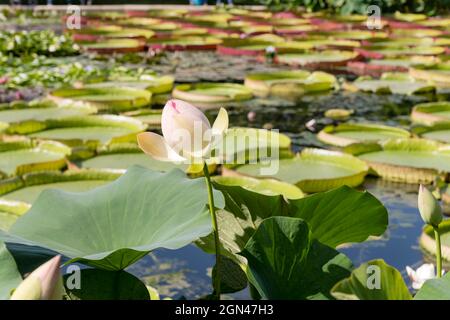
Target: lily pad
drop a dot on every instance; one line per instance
(438, 131)
(313, 170)
(161, 210)
(70, 181)
(9, 212)
(154, 84)
(23, 156)
(24, 119)
(405, 160)
(91, 130)
(107, 97)
(322, 59)
(151, 117)
(212, 92)
(409, 17)
(285, 83)
(435, 289)
(348, 133)
(391, 83)
(184, 43)
(431, 113)
(268, 187)
(114, 46)
(428, 243)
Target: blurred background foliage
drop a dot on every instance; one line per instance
(430, 7)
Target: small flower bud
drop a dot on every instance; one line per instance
(429, 207)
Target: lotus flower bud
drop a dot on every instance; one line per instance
(44, 283)
(429, 207)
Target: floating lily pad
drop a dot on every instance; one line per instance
(124, 156)
(249, 47)
(102, 129)
(409, 17)
(114, 45)
(269, 187)
(212, 92)
(20, 157)
(406, 160)
(379, 52)
(325, 59)
(26, 119)
(10, 276)
(439, 132)
(107, 97)
(348, 133)
(418, 33)
(313, 170)
(354, 34)
(151, 117)
(284, 83)
(161, 210)
(154, 84)
(184, 43)
(72, 181)
(439, 74)
(391, 83)
(105, 32)
(431, 113)
(11, 210)
(428, 243)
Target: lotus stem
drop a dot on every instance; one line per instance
(437, 238)
(212, 211)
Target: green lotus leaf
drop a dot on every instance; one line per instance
(107, 98)
(313, 170)
(70, 181)
(284, 83)
(141, 211)
(373, 280)
(107, 285)
(335, 217)
(435, 289)
(392, 83)
(323, 57)
(18, 158)
(212, 92)
(285, 262)
(353, 34)
(10, 277)
(348, 133)
(338, 114)
(431, 113)
(439, 132)
(406, 160)
(428, 243)
(101, 129)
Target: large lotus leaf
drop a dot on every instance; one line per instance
(324, 57)
(106, 285)
(313, 170)
(438, 132)
(9, 274)
(284, 262)
(373, 280)
(10, 211)
(435, 289)
(336, 217)
(153, 84)
(341, 215)
(113, 226)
